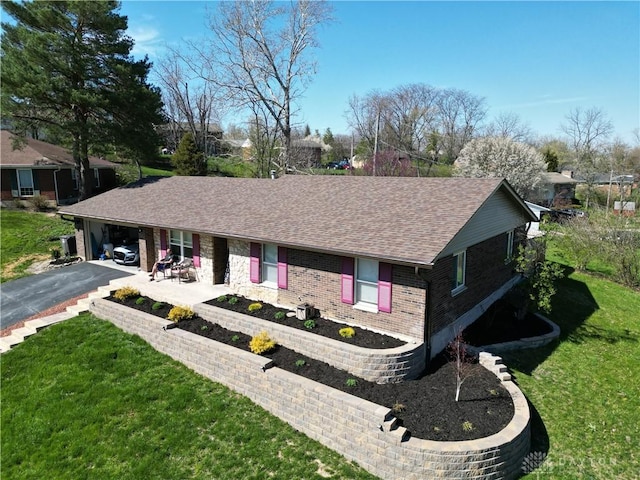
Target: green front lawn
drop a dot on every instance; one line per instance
(26, 237)
(586, 388)
(83, 399)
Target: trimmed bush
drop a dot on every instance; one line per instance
(221, 298)
(347, 332)
(254, 307)
(179, 313)
(310, 324)
(126, 292)
(39, 203)
(233, 300)
(262, 343)
(157, 306)
(140, 300)
(279, 315)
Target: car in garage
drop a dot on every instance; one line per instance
(127, 254)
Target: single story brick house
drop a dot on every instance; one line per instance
(40, 168)
(418, 258)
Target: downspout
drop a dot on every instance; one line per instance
(422, 274)
(55, 185)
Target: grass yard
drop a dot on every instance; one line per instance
(586, 388)
(27, 237)
(83, 399)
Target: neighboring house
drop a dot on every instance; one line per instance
(40, 168)
(555, 190)
(208, 137)
(534, 228)
(417, 258)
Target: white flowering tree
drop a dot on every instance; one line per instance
(493, 157)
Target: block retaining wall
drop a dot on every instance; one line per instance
(359, 430)
(531, 342)
(376, 365)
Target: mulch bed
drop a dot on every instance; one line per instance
(426, 406)
(499, 324)
(324, 327)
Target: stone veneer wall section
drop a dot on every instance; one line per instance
(357, 429)
(375, 365)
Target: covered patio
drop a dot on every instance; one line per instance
(165, 289)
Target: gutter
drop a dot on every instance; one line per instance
(55, 184)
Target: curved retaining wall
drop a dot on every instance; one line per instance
(357, 429)
(382, 366)
(530, 342)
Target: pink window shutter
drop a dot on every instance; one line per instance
(348, 269)
(196, 249)
(385, 281)
(255, 252)
(163, 243)
(283, 281)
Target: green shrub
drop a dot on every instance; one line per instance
(279, 315)
(310, 324)
(351, 382)
(233, 300)
(347, 332)
(300, 363)
(179, 313)
(467, 426)
(221, 298)
(235, 338)
(140, 300)
(157, 306)
(126, 292)
(55, 253)
(262, 343)
(254, 307)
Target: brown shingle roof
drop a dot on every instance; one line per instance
(408, 220)
(39, 153)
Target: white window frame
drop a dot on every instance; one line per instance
(510, 235)
(180, 243)
(268, 266)
(359, 282)
(459, 280)
(23, 189)
(96, 178)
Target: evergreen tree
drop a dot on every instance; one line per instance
(66, 66)
(188, 160)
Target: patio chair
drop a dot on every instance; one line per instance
(184, 271)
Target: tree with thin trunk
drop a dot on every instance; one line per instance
(66, 67)
(260, 54)
(463, 362)
(588, 132)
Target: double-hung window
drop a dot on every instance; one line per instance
(74, 178)
(509, 246)
(25, 183)
(181, 243)
(269, 263)
(459, 272)
(96, 178)
(366, 284)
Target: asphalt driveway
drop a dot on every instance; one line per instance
(24, 297)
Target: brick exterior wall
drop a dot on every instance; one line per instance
(486, 272)
(359, 430)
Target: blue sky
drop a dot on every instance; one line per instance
(537, 59)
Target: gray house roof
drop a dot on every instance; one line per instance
(36, 153)
(404, 220)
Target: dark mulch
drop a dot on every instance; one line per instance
(324, 327)
(426, 406)
(499, 324)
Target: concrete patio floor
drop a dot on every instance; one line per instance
(165, 289)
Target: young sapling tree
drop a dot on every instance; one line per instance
(462, 360)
